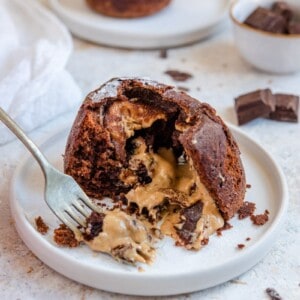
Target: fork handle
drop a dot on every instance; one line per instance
(14, 127)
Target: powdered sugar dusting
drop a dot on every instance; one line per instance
(110, 88)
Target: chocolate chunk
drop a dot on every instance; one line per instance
(267, 20)
(191, 216)
(283, 9)
(94, 225)
(286, 108)
(294, 28)
(253, 105)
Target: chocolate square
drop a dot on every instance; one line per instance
(282, 8)
(294, 28)
(252, 105)
(267, 20)
(286, 108)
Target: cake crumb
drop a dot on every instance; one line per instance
(246, 210)
(178, 75)
(248, 186)
(204, 241)
(240, 246)
(260, 219)
(163, 53)
(140, 269)
(273, 294)
(226, 226)
(248, 239)
(41, 226)
(64, 236)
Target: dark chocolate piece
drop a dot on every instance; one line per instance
(294, 28)
(256, 104)
(283, 9)
(94, 225)
(286, 108)
(191, 216)
(267, 20)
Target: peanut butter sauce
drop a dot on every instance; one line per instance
(168, 175)
(124, 237)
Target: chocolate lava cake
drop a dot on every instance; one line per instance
(128, 8)
(167, 157)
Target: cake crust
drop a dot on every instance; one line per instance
(100, 142)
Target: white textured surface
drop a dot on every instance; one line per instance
(219, 76)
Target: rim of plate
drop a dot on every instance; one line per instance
(19, 216)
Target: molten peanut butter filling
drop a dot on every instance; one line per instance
(176, 202)
(174, 186)
(124, 237)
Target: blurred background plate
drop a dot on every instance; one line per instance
(182, 22)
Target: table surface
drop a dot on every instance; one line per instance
(219, 75)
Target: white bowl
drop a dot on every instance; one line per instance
(271, 52)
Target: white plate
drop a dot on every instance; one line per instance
(181, 23)
(175, 270)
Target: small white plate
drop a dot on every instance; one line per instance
(180, 23)
(175, 270)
